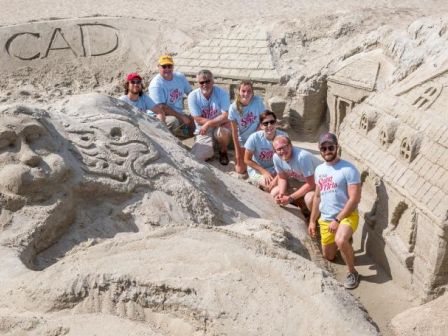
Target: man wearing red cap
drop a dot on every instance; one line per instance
(167, 90)
(338, 192)
(135, 96)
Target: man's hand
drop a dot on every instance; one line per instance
(283, 199)
(333, 227)
(204, 128)
(312, 229)
(267, 176)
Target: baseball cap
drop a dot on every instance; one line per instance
(166, 59)
(133, 75)
(328, 137)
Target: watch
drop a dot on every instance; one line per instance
(337, 220)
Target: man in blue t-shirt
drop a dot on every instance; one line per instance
(167, 90)
(295, 169)
(209, 106)
(135, 96)
(338, 192)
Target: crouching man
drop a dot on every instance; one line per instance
(338, 192)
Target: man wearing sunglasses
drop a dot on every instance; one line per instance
(167, 90)
(135, 96)
(338, 192)
(295, 169)
(209, 106)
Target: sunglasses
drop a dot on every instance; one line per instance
(207, 81)
(269, 122)
(135, 81)
(167, 66)
(330, 148)
(281, 149)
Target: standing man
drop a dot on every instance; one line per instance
(209, 106)
(295, 169)
(338, 192)
(167, 90)
(134, 95)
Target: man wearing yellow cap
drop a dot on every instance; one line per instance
(167, 90)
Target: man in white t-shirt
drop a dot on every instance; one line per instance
(295, 169)
(209, 106)
(338, 192)
(135, 96)
(167, 90)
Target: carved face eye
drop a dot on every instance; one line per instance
(116, 133)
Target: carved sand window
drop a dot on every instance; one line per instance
(387, 133)
(367, 121)
(428, 96)
(409, 148)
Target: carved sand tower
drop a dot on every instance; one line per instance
(399, 140)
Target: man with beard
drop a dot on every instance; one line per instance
(295, 169)
(338, 192)
(209, 106)
(135, 96)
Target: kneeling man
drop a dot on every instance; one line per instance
(338, 192)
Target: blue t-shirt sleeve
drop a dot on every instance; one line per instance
(261, 108)
(308, 165)
(187, 86)
(233, 112)
(149, 103)
(277, 164)
(225, 101)
(250, 143)
(193, 106)
(352, 175)
(157, 94)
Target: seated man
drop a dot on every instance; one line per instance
(167, 90)
(134, 95)
(209, 105)
(295, 169)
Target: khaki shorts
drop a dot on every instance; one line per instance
(203, 144)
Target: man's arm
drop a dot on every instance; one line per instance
(314, 212)
(302, 191)
(210, 123)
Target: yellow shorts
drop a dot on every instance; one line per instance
(327, 237)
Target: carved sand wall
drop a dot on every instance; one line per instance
(399, 140)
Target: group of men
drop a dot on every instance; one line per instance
(330, 190)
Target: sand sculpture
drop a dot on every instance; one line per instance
(86, 222)
(120, 223)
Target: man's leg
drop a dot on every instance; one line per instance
(344, 233)
(222, 136)
(203, 147)
(329, 247)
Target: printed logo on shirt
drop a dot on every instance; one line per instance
(248, 119)
(209, 112)
(175, 95)
(266, 155)
(326, 184)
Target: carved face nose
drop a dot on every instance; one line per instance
(28, 157)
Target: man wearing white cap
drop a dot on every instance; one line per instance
(167, 90)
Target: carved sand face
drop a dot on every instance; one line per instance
(29, 164)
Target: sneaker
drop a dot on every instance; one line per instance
(352, 280)
(223, 159)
